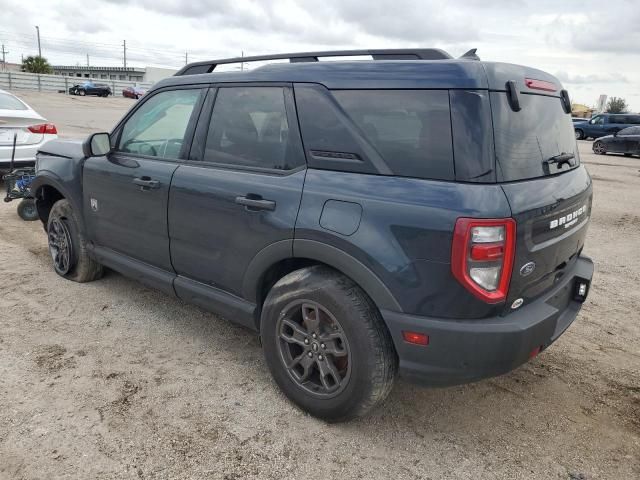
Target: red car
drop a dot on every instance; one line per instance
(133, 92)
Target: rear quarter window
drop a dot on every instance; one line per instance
(411, 129)
(392, 132)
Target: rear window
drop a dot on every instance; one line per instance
(411, 129)
(9, 102)
(527, 139)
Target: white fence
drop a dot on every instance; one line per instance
(59, 83)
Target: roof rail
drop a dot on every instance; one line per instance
(383, 54)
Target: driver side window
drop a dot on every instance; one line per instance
(597, 121)
(158, 127)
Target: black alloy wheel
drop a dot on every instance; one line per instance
(60, 246)
(314, 348)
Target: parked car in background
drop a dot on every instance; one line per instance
(90, 88)
(344, 211)
(31, 129)
(605, 124)
(133, 92)
(626, 141)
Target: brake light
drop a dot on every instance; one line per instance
(44, 128)
(540, 85)
(482, 255)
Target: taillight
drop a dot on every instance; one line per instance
(482, 256)
(44, 128)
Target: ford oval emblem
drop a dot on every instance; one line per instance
(527, 269)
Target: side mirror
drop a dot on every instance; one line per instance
(98, 144)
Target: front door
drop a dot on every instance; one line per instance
(240, 193)
(126, 193)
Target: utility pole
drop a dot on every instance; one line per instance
(87, 59)
(242, 63)
(124, 46)
(39, 49)
(4, 64)
(186, 58)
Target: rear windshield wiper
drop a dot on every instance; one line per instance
(560, 159)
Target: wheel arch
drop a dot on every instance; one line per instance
(281, 258)
(47, 191)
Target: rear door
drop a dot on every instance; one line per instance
(126, 193)
(550, 201)
(241, 190)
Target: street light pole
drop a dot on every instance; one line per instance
(39, 49)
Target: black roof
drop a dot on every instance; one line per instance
(388, 69)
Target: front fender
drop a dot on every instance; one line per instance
(73, 194)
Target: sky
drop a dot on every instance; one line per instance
(592, 46)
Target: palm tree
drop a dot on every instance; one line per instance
(36, 64)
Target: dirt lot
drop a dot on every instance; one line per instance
(112, 380)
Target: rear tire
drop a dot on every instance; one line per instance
(599, 148)
(27, 210)
(67, 245)
(340, 356)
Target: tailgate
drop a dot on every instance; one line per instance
(552, 214)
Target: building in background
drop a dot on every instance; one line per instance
(129, 74)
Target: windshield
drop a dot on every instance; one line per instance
(527, 141)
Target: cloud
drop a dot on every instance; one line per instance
(582, 79)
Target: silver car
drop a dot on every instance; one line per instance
(30, 129)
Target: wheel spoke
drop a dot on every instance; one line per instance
(306, 363)
(311, 317)
(298, 336)
(334, 344)
(329, 375)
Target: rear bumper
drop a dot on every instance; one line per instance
(462, 351)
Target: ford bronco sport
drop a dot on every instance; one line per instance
(409, 214)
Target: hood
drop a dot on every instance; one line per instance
(64, 148)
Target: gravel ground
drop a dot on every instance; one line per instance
(113, 380)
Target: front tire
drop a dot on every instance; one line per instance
(326, 344)
(82, 93)
(67, 245)
(579, 134)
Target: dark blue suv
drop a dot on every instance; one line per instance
(605, 124)
(412, 214)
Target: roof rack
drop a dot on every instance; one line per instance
(384, 54)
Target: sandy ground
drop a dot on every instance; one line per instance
(112, 380)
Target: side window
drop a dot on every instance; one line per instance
(249, 127)
(633, 119)
(158, 127)
(411, 129)
(597, 121)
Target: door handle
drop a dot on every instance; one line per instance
(146, 183)
(256, 202)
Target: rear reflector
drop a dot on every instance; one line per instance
(540, 85)
(534, 353)
(415, 338)
(44, 128)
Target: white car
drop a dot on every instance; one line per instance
(30, 128)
